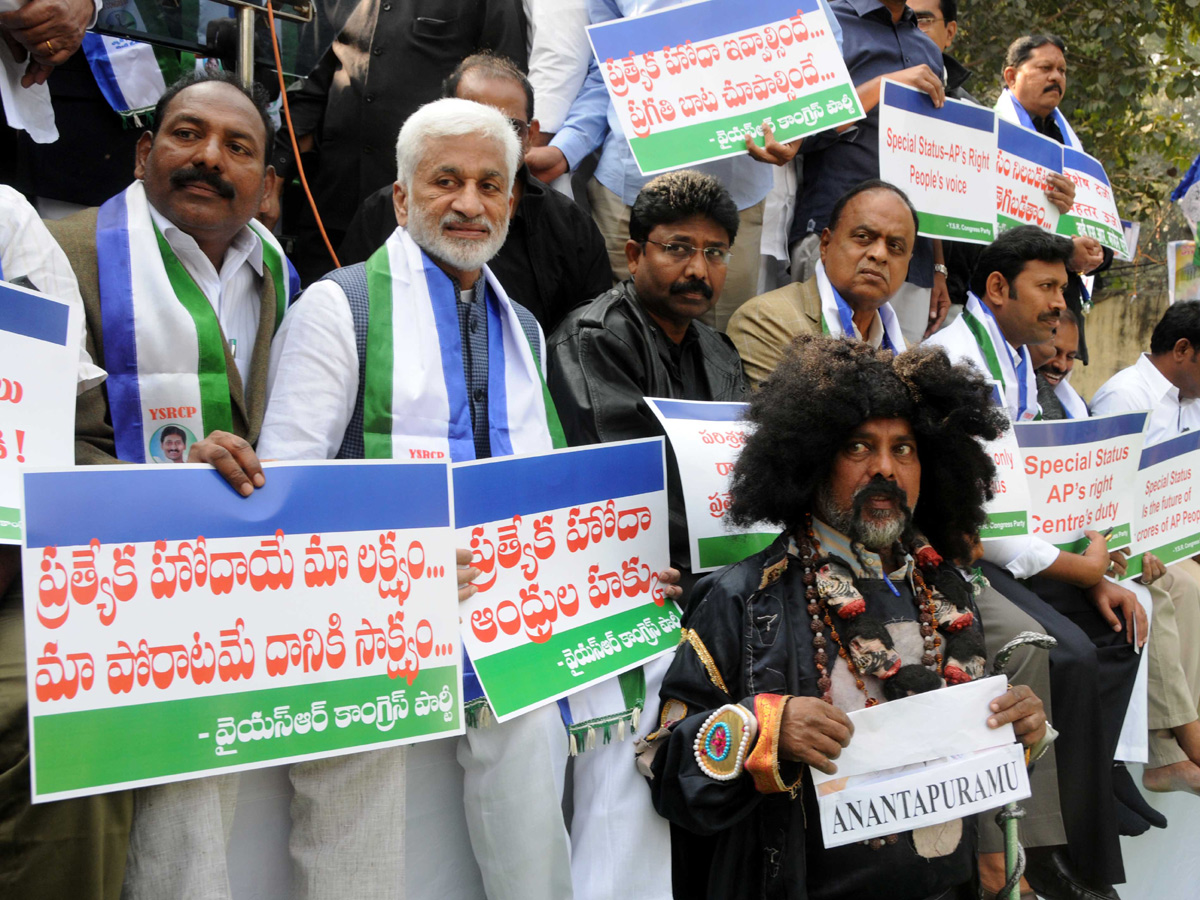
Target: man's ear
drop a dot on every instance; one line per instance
(1183, 350)
(951, 31)
(270, 181)
(997, 289)
(633, 255)
(145, 142)
(400, 204)
(1010, 76)
(535, 133)
(512, 203)
(826, 236)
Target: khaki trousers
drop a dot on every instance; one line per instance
(1173, 676)
(741, 279)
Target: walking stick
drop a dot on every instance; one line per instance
(1011, 813)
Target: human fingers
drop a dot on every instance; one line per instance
(1139, 618)
(233, 458)
(669, 579)
(1118, 563)
(837, 724)
(466, 573)
(1018, 702)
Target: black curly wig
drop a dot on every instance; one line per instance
(824, 388)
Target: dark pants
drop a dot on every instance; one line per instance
(1092, 671)
(67, 850)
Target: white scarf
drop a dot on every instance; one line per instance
(837, 316)
(1008, 108)
(163, 345)
(1018, 382)
(1071, 402)
(415, 402)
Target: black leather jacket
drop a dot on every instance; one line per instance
(607, 356)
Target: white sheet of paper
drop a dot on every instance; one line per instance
(921, 728)
(923, 795)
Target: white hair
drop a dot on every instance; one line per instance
(452, 117)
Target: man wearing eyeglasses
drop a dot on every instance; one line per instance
(642, 338)
(938, 19)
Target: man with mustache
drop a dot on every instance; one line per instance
(1035, 76)
(422, 330)
(1016, 302)
(1053, 362)
(643, 338)
(182, 292)
(854, 452)
(865, 252)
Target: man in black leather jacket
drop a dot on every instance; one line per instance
(643, 338)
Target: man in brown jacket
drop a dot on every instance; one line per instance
(183, 228)
(865, 253)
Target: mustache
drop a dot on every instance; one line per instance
(692, 285)
(1053, 87)
(457, 218)
(1052, 316)
(879, 487)
(183, 177)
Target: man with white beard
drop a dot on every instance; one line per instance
(393, 359)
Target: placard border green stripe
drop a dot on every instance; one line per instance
(100, 749)
(727, 549)
(1121, 536)
(10, 532)
(1167, 554)
(666, 150)
(521, 677)
(1010, 524)
(934, 225)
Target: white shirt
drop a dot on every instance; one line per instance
(235, 292)
(312, 383)
(27, 249)
(1142, 386)
(1026, 555)
(558, 57)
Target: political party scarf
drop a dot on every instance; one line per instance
(415, 403)
(1009, 109)
(127, 73)
(1018, 383)
(163, 346)
(837, 318)
(1072, 403)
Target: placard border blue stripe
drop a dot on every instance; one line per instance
(564, 478)
(700, 22)
(1170, 449)
(31, 315)
(1082, 162)
(107, 502)
(1035, 435)
(701, 411)
(899, 96)
(1029, 145)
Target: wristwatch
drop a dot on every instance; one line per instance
(941, 270)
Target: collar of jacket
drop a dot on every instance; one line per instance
(722, 365)
(956, 73)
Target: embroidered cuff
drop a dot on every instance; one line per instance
(722, 742)
(763, 762)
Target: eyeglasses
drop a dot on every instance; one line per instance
(927, 20)
(714, 256)
(521, 128)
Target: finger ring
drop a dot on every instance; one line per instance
(49, 48)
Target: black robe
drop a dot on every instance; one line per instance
(729, 840)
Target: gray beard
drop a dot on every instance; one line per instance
(466, 256)
(877, 535)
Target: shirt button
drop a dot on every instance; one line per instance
(474, 326)
(387, 7)
(478, 394)
(370, 98)
(378, 51)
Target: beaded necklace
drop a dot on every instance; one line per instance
(820, 618)
(818, 611)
